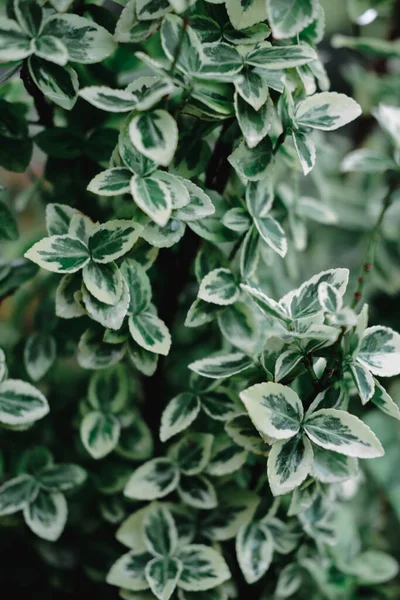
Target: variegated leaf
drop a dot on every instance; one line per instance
(155, 135)
(154, 479)
(59, 254)
(289, 463)
(180, 412)
(203, 568)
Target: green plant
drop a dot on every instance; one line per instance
(207, 372)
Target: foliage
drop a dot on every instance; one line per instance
(209, 408)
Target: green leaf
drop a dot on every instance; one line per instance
(289, 581)
(203, 568)
(162, 575)
(287, 19)
(254, 550)
(280, 57)
(219, 404)
(252, 88)
(154, 479)
(255, 125)
(150, 90)
(221, 61)
(8, 225)
(51, 48)
(329, 298)
(266, 304)
(179, 414)
(21, 403)
(111, 182)
(150, 332)
(190, 56)
(59, 84)
(363, 380)
(46, 515)
(275, 409)
(197, 492)
(219, 287)
(327, 111)
(104, 282)
(143, 360)
(113, 239)
(218, 367)
(109, 99)
(380, 351)
(286, 363)
(155, 135)
(14, 43)
(17, 493)
(252, 163)
(243, 15)
(29, 16)
(128, 571)
(199, 206)
(85, 41)
(237, 219)
(129, 29)
(99, 433)
(58, 218)
(93, 353)
(236, 508)
(161, 536)
(305, 149)
(66, 305)
(193, 453)
(289, 463)
(331, 467)
(136, 441)
(153, 196)
(227, 457)
(39, 354)
(109, 389)
(62, 477)
(132, 158)
(151, 9)
(342, 432)
(59, 254)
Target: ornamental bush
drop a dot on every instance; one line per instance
(199, 285)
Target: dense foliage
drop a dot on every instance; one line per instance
(194, 392)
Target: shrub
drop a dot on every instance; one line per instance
(191, 377)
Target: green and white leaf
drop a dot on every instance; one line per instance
(197, 492)
(160, 533)
(109, 99)
(254, 550)
(150, 332)
(155, 135)
(17, 493)
(280, 57)
(363, 380)
(47, 515)
(241, 429)
(190, 58)
(272, 233)
(384, 402)
(289, 463)
(243, 15)
(111, 317)
(218, 367)
(219, 287)
(14, 43)
(99, 433)
(113, 239)
(59, 254)
(162, 575)
(339, 431)
(128, 572)
(305, 149)
(193, 452)
(327, 111)
(62, 477)
(254, 124)
(21, 403)
(203, 568)
(104, 282)
(288, 18)
(331, 467)
(111, 182)
(252, 163)
(39, 354)
(380, 351)
(153, 196)
(179, 414)
(152, 480)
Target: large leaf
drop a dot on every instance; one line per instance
(138, 284)
(59, 254)
(272, 233)
(17, 493)
(160, 532)
(254, 549)
(203, 568)
(47, 514)
(275, 409)
(108, 315)
(155, 134)
(254, 124)
(245, 14)
(108, 99)
(342, 432)
(14, 43)
(289, 463)
(21, 403)
(327, 111)
(86, 42)
(154, 479)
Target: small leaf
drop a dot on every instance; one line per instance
(154, 479)
(155, 134)
(219, 287)
(17, 493)
(111, 182)
(197, 492)
(108, 99)
(160, 532)
(218, 367)
(380, 351)
(39, 354)
(150, 332)
(289, 463)
(104, 282)
(47, 514)
(59, 254)
(180, 412)
(193, 452)
(113, 239)
(287, 19)
(327, 111)
(153, 196)
(99, 433)
(21, 403)
(252, 163)
(128, 571)
(203, 568)
(162, 575)
(254, 549)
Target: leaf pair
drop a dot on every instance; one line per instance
(38, 493)
(166, 563)
(278, 415)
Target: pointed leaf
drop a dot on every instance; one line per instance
(289, 463)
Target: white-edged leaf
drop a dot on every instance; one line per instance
(109, 99)
(197, 492)
(113, 239)
(104, 282)
(21, 403)
(153, 196)
(288, 18)
(272, 233)
(219, 287)
(61, 477)
(254, 125)
(331, 467)
(128, 572)
(155, 135)
(193, 452)
(162, 575)
(150, 332)
(241, 429)
(203, 568)
(199, 206)
(363, 380)
(160, 533)
(59, 254)
(154, 479)
(47, 514)
(286, 363)
(252, 163)
(366, 160)
(17, 493)
(179, 414)
(379, 351)
(254, 550)
(111, 182)
(305, 149)
(275, 409)
(327, 111)
(108, 315)
(280, 57)
(39, 354)
(218, 367)
(339, 431)
(289, 463)
(267, 305)
(99, 433)
(384, 402)
(14, 43)
(66, 305)
(243, 15)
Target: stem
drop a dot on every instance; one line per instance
(279, 141)
(43, 108)
(368, 264)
